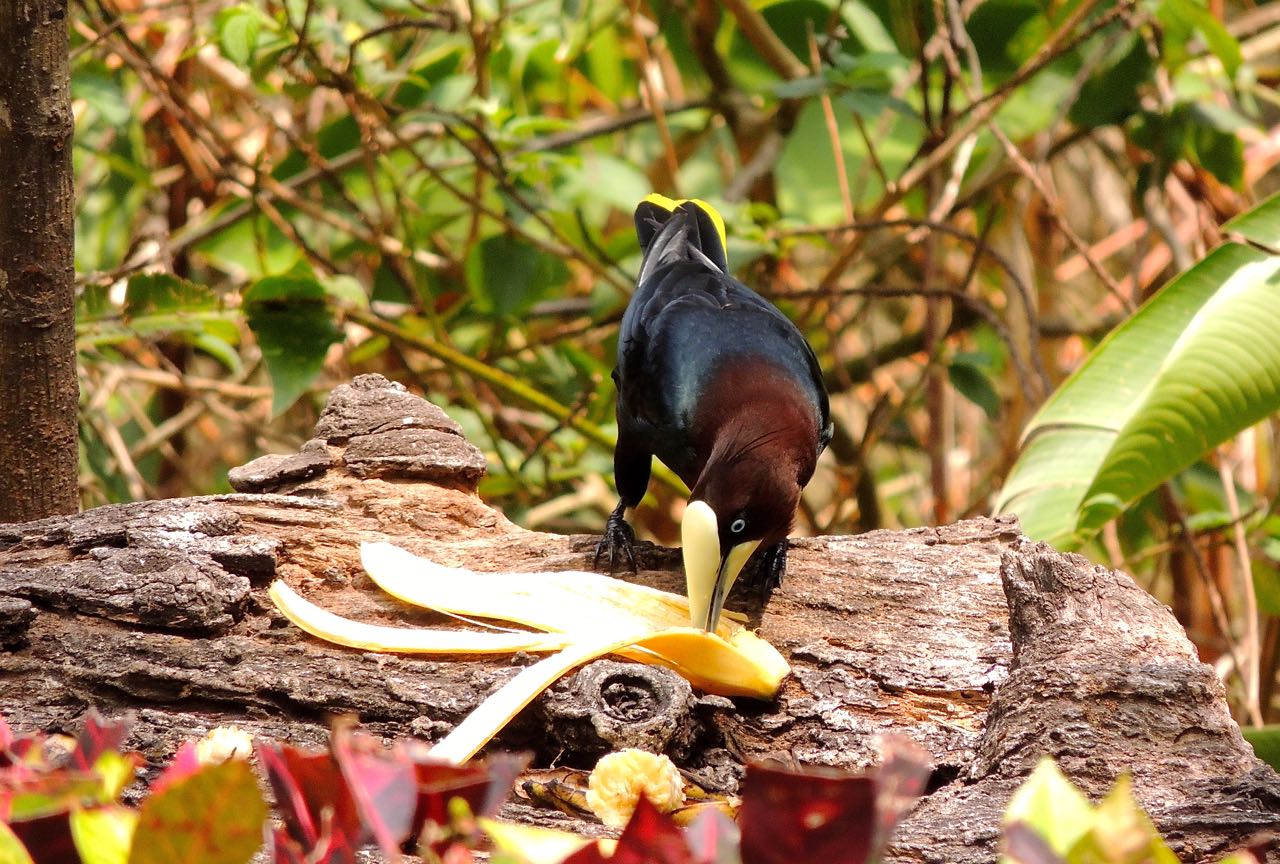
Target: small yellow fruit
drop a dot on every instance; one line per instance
(223, 743)
(619, 779)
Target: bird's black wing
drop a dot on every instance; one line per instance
(688, 322)
(686, 317)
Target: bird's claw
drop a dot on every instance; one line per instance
(617, 535)
(765, 572)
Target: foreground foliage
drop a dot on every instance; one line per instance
(1049, 821)
(63, 806)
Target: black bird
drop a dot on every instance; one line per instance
(721, 386)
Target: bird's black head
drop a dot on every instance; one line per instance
(754, 495)
(760, 437)
(745, 497)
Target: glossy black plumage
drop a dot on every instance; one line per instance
(711, 376)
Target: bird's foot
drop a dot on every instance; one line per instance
(618, 536)
(764, 572)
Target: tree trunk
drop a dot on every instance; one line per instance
(986, 649)
(38, 386)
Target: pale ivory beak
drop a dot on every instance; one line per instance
(708, 574)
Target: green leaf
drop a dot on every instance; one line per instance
(1266, 581)
(214, 816)
(800, 88)
(971, 382)
(163, 305)
(1220, 153)
(103, 835)
(870, 103)
(532, 844)
(1260, 225)
(238, 28)
(1208, 520)
(1191, 15)
(150, 293)
(506, 275)
(346, 289)
(1112, 95)
(1266, 743)
(1183, 18)
(60, 796)
(295, 328)
(101, 91)
(1197, 364)
(11, 849)
(867, 27)
(1057, 810)
(115, 770)
(1121, 831)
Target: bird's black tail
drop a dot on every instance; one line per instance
(686, 230)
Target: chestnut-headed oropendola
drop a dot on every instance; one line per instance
(721, 386)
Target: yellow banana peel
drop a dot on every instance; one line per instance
(582, 616)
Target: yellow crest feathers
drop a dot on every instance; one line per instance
(670, 204)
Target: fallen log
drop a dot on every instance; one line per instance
(984, 648)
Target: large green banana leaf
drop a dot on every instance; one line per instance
(1198, 363)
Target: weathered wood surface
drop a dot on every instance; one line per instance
(160, 609)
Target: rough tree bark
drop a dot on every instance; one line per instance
(986, 649)
(38, 385)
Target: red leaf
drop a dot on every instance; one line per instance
(383, 784)
(98, 736)
(286, 850)
(6, 734)
(713, 838)
(813, 815)
(27, 749)
(457, 853)
(185, 763)
(589, 854)
(48, 839)
(1023, 845)
(901, 778)
(483, 784)
(314, 801)
(651, 837)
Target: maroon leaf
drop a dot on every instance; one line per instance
(714, 838)
(28, 749)
(457, 853)
(1023, 845)
(901, 778)
(483, 784)
(286, 850)
(383, 784)
(651, 837)
(589, 854)
(185, 763)
(314, 801)
(790, 816)
(48, 839)
(98, 736)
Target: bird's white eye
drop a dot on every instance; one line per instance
(738, 525)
